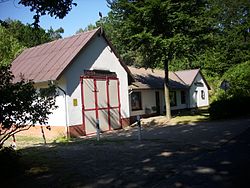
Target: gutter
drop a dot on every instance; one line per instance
(66, 109)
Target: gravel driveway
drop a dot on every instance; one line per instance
(168, 156)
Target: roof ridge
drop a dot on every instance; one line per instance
(180, 78)
(187, 70)
(68, 37)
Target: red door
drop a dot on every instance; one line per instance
(100, 102)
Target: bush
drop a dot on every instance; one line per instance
(239, 79)
(230, 107)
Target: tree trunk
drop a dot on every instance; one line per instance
(166, 90)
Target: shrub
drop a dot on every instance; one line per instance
(230, 107)
(239, 79)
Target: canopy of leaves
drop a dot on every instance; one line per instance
(9, 47)
(231, 41)
(16, 36)
(21, 106)
(54, 8)
(55, 34)
(162, 30)
(239, 80)
(27, 35)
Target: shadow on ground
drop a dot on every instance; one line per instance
(203, 155)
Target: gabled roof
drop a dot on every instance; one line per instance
(48, 61)
(148, 78)
(187, 76)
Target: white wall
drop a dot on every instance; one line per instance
(197, 101)
(147, 100)
(97, 55)
(57, 118)
(178, 101)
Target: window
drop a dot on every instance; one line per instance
(202, 94)
(172, 95)
(136, 101)
(183, 97)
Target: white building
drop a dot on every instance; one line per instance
(94, 85)
(188, 89)
(92, 82)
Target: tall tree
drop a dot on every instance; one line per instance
(27, 35)
(162, 31)
(9, 47)
(54, 8)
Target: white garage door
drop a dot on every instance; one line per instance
(100, 102)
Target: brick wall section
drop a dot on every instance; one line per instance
(76, 131)
(59, 131)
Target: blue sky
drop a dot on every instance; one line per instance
(83, 14)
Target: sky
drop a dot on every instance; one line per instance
(86, 12)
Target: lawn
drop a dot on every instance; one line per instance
(179, 118)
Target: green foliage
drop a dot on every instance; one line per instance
(160, 31)
(21, 105)
(16, 36)
(235, 100)
(54, 8)
(239, 80)
(55, 34)
(230, 107)
(9, 47)
(26, 35)
(62, 139)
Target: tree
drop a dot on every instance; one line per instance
(21, 106)
(9, 47)
(230, 41)
(238, 78)
(56, 8)
(55, 34)
(79, 31)
(26, 35)
(163, 31)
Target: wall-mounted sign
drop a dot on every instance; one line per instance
(199, 84)
(75, 102)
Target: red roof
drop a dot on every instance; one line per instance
(48, 61)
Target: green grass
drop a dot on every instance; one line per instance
(27, 141)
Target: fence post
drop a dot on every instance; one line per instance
(139, 127)
(97, 130)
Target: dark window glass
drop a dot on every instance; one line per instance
(202, 94)
(136, 101)
(183, 97)
(172, 95)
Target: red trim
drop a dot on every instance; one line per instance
(96, 108)
(119, 102)
(100, 77)
(108, 101)
(83, 109)
(104, 108)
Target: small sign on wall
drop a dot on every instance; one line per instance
(75, 102)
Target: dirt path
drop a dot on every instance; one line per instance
(119, 160)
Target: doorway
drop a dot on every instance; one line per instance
(157, 102)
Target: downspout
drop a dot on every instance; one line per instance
(66, 111)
